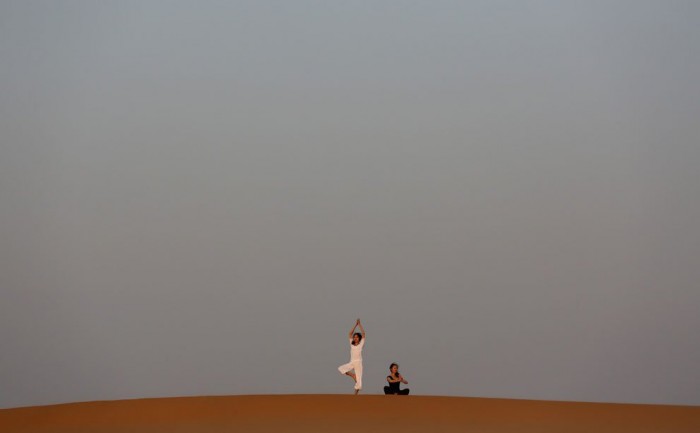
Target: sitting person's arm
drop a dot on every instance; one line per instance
(391, 379)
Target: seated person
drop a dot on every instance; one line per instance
(395, 379)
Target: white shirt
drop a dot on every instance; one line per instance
(356, 351)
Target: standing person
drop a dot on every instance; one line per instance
(395, 379)
(354, 367)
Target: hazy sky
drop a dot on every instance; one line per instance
(199, 198)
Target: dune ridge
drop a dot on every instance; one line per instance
(345, 413)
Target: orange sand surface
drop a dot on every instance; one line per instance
(347, 413)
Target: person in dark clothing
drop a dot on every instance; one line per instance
(395, 379)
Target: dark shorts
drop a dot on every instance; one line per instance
(388, 391)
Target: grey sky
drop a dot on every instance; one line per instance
(199, 198)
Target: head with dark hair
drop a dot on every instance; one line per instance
(394, 368)
(356, 338)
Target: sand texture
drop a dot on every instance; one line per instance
(347, 413)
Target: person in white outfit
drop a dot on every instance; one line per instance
(354, 367)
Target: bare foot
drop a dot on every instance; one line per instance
(353, 376)
(357, 391)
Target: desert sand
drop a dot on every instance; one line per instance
(347, 413)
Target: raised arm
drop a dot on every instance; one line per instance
(357, 322)
(362, 330)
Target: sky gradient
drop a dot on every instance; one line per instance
(199, 198)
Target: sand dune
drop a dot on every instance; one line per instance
(347, 413)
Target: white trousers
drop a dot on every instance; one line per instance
(353, 365)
